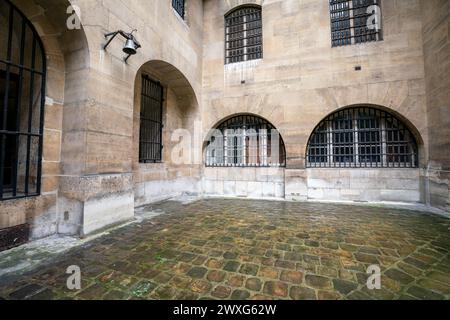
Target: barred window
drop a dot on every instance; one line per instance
(355, 21)
(150, 138)
(245, 141)
(22, 100)
(178, 5)
(243, 34)
(362, 137)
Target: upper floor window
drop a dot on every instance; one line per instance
(179, 6)
(355, 21)
(243, 34)
(245, 141)
(362, 137)
(22, 100)
(151, 121)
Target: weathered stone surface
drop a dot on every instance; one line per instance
(148, 260)
(344, 287)
(302, 293)
(276, 288)
(253, 284)
(295, 277)
(318, 282)
(240, 295)
(197, 272)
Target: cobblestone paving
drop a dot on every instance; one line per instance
(241, 249)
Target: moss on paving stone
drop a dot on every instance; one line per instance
(242, 249)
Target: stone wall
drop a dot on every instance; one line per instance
(66, 54)
(103, 140)
(436, 38)
(371, 185)
(244, 182)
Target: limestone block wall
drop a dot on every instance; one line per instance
(301, 79)
(244, 182)
(88, 169)
(65, 54)
(436, 39)
(101, 120)
(370, 185)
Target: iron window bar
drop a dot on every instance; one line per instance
(246, 141)
(362, 137)
(151, 121)
(22, 95)
(243, 34)
(179, 6)
(349, 22)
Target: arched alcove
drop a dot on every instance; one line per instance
(245, 156)
(177, 168)
(364, 153)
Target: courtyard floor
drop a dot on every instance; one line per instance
(244, 249)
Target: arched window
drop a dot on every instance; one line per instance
(355, 21)
(362, 137)
(243, 34)
(22, 98)
(245, 141)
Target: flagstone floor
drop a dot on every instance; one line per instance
(244, 249)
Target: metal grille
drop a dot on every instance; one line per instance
(243, 35)
(22, 96)
(362, 137)
(350, 21)
(178, 5)
(150, 139)
(245, 141)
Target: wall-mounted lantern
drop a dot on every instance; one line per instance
(131, 44)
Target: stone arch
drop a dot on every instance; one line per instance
(231, 5)
(254, 117)
(225, 118)
(180, 114)
(256, 4)
(404, 120)
(67, 62)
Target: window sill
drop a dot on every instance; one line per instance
(180, 19)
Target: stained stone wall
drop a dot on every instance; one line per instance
(302, 79)
(66, 54)
(436, 38)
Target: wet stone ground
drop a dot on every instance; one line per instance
(241, 249)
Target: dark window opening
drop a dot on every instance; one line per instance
(151, 121)
(22, 99)
(362, 137)
(243, 35)
(245, 141)
(178, 5)
(355, 21)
